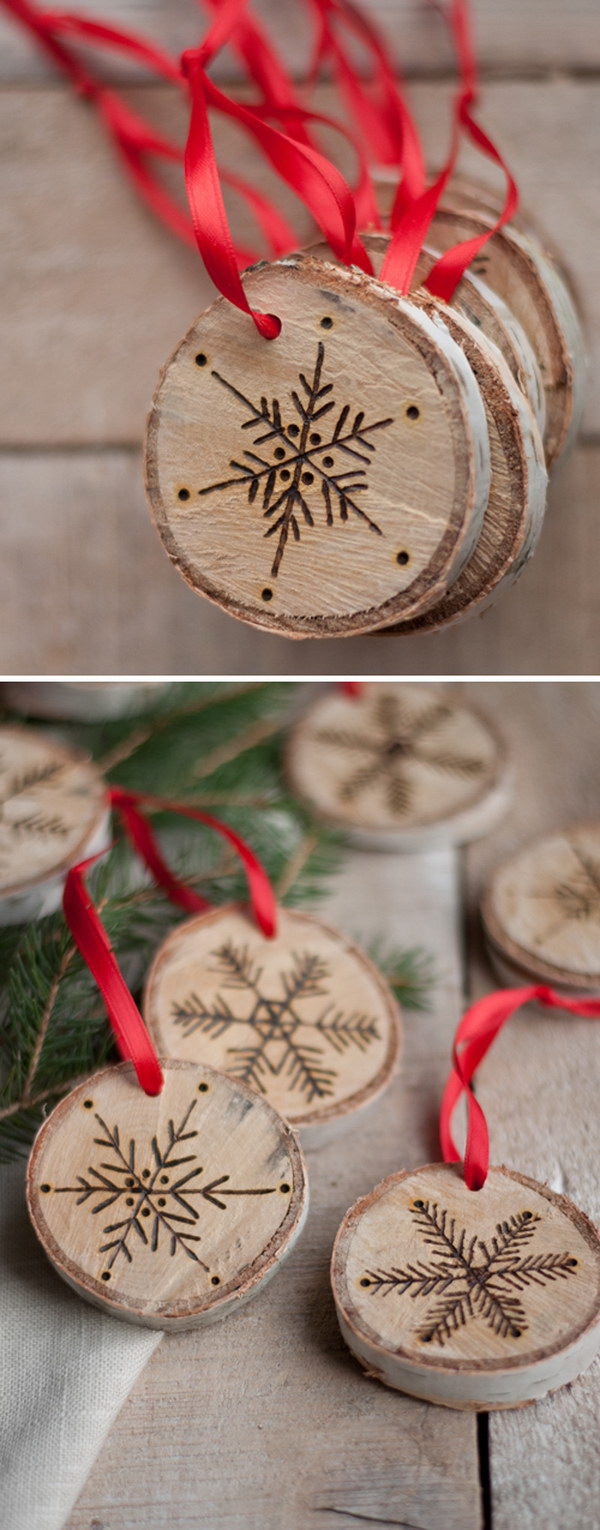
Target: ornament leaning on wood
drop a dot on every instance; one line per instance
(481, 1300)
(399, 766)
(320, 505)
(541, 912)
(303, 1017)
(54, 810)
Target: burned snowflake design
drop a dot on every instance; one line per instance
(389, 740)
(22, 819)
(303, 471)
(468, 1278)
(577, 899)
(279, 1043)
(154, 1193)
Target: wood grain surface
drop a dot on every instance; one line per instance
(96, 296)
(365, 1453)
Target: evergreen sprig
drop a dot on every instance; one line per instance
(212, 744)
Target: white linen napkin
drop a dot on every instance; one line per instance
(65, 1372)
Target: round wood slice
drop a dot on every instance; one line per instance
(327, 482)
(169, 1211)
(82, 700)
(541, 912)
(53, 812)
(400, 767)
(487, 1299)
(516, 505)
(304, 1018)
(482, 307)
(515, 265)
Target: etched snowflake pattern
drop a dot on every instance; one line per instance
(153, 1193)
(279, 1042)
(469, 1279)
(302, 470)
(577, 899)
(390, 739)
(22, 812)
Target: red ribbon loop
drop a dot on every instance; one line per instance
(89, 934)
(474, 1036)
(262, 897)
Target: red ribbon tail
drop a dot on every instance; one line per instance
(133, 1039)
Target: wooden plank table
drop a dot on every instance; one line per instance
(265, 1420)
(97, 294)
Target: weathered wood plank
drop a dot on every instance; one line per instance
(86, 588)
(97, 294)
(539, 1087)
(536, 36)
(265, 1420)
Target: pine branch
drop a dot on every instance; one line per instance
(218, 745)
(410, 973)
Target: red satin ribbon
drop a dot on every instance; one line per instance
(89, 934)
(129, 807)
(136, 140)
(411, 217)
(378, 108)
(474, 1036)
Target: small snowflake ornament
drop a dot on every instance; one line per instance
(474, 1300)
(53, 812)
(304, 1018)
(168, 1210)
(332, 480)
(399, 766)
(541, 912)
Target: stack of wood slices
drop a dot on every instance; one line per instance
(382, 465)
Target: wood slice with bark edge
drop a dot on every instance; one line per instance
(239, 1178)
(480, 1300)
(82, 701)
(516, 505)
(516, 266)
(485, 309)
(541, 912)
(54, 811)
(341, 567)
(304, 1018)
(401, 798)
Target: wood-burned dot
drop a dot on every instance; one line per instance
(183, 494)
(403, 557)
(266, 594)
(412, 412)
(201, 359)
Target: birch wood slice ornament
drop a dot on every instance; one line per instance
(516, 266)
(399, 767)
(481, 1300)
(541, 913)
(167, 1211)
(53, 812)
(327, 482)
(82, 701)
(304, 1018)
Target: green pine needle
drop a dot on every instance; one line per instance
(410, 973)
